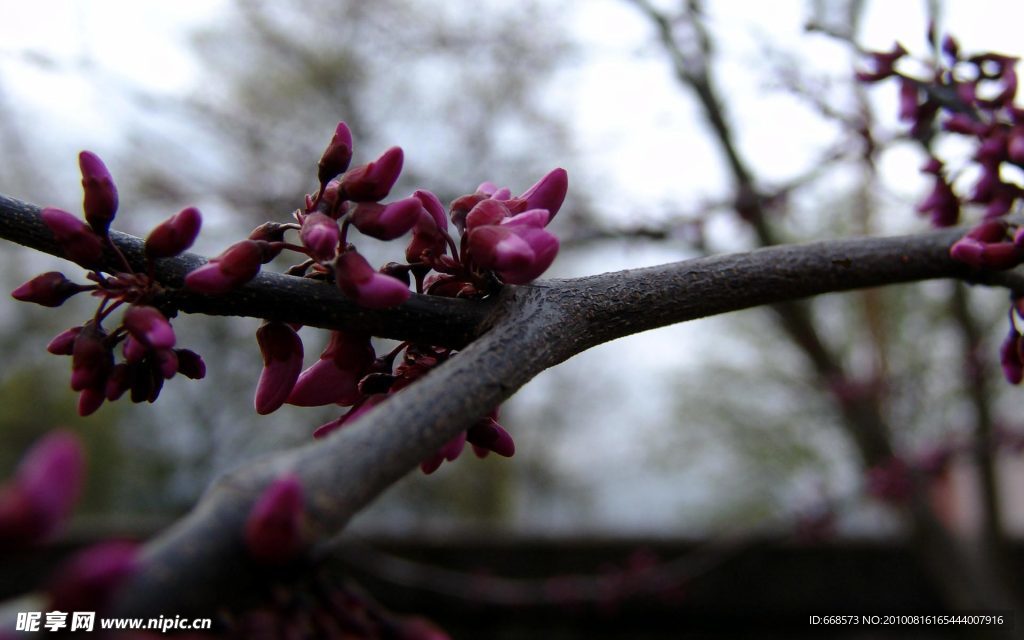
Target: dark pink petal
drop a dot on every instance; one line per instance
(368, 288)
(100, 204)
(372, 182)
(190, 364)
(174, 235)
(78, 242)
(49, 289)
(386, 222)
(63, 344)
(89, 580)
(237, 265)
(538, 218)
(149, 326)
(428, 241)
(498, 247)
(91, 358)
(488, 434)
(433, 206)
(337, 156)
(274, 530)
(325, 383)
(91, 399)
(166, 362)
(1009, 357)
(486, 212)
(320, 235)
(549, 192)
(969, 251)
(282, 361)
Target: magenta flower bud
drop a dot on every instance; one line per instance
(190, 364)
(433, 206)
(134, 351)
(282, 361)
(1001, 255)
(91, 399)
(372, 182)
(337, 156)
(968, 250)
(353, 414)
(549, 192)
(537, 218)
(942, 204)
(989, 231)
(63, 344)
(149, 326)
(488, 434)
(428, 241)
(119, 381)
(90, 579)
(49, 289)
(449, 452)
(44, 491)
(319, 234)
(274, 531)
(334, 378)
(386, 222)
(174, 235)
(461, 207)
(357, 280)
(91, 358)
(518, 253)
(486, 212)
(963, 124)
(1010, 358)
(166, 362)
(237, 265)
(76, 239)
(100, 202)
(909, 94)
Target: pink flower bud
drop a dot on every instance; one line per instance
(190, 364)
(237, 265)
(518, 253)
(372, 182)
(942, 204)
(282, 361)
(549, 192)
(968, 250)
(486, 212)
(63, 344)
(386, 222)
(433, 206)
(337, 155)
(320, 234)
(334, 378)
(90, 579)
(357, 280)
(100, 202)
(166, 362)
(174, 235)
(428, 241)
(76, 239)
(488, 434)
(354, 414)
(91, 358)
(91, 399)
(49, 289)
(989, 231)
(149, 326)
(44, 491)
(274, 531)
(1010, 358)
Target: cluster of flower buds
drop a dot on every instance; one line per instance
(970, 96)
(37, 502)
(503, 240)
(144, 334)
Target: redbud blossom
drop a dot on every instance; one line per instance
(90, 400)
(486, 212)
(883, 64)
(282, 361)
(428, 240)
(49, 289)
(100, 202)
(44, 490)
(63, 343)
(519, 253)
(549, 192)
(237, 265)
(942, 204)
(488, 434)
(91, 358)
(149, 326)
(433, 206)
(274, 531)
(386, 222)
(1010, 357)
(77, 241)
(319, 234)
(90, 579)
(174, 235)
(368, 288)
(337, 155)
(372, 182)
(190, 364)
(334, 378)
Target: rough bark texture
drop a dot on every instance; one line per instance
(200, 562)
